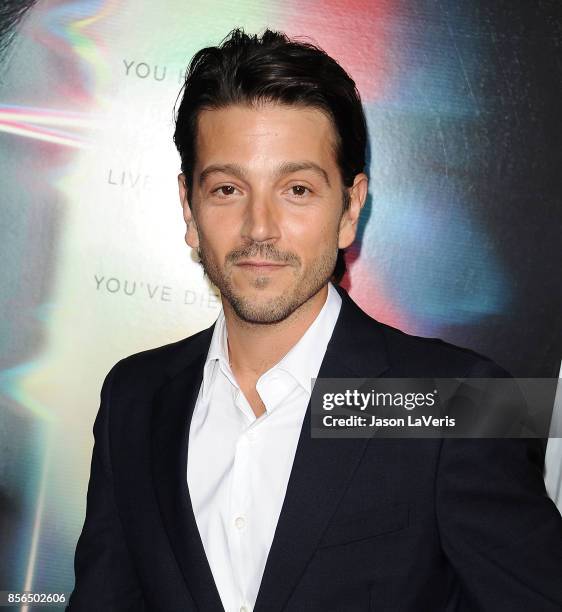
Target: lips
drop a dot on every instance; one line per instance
(261, 266)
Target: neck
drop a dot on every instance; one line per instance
(256, 347)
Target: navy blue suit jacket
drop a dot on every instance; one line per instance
(367, 524)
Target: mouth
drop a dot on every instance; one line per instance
(261, 266)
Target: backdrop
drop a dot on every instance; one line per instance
(460, 237)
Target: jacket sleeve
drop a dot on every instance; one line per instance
(499, 529)
(104, 574)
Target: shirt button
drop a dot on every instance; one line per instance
(243, 609)
(251, 435)
(239, 522)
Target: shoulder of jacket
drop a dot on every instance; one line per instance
(459, 361)
(155, 363)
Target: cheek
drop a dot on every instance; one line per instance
(217, 232)
(313, 239)
(315, 230)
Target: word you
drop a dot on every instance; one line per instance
(144, 70)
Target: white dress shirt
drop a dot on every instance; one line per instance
(238, 465)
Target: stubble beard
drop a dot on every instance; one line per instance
(279, 307)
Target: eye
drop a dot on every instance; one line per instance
(224, 190)
(299, 191)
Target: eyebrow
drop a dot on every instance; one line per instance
(290, 167)
(284, 169)
(233, 169)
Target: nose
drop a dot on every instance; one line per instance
(261, 220)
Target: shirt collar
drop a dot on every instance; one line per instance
(217, 357)
(303, 360)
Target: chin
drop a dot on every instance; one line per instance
(263, 289)
(257, 308)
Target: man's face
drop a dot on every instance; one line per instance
(266, 206)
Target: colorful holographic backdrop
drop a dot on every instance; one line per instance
(458, 239)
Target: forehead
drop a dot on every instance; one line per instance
(263, 134)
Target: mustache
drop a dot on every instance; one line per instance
(263, 251)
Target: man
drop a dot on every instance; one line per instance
(207, 491)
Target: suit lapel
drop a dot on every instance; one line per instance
(322, 467)
(173, 409)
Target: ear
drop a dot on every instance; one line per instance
(191, 234)
(350, 218)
